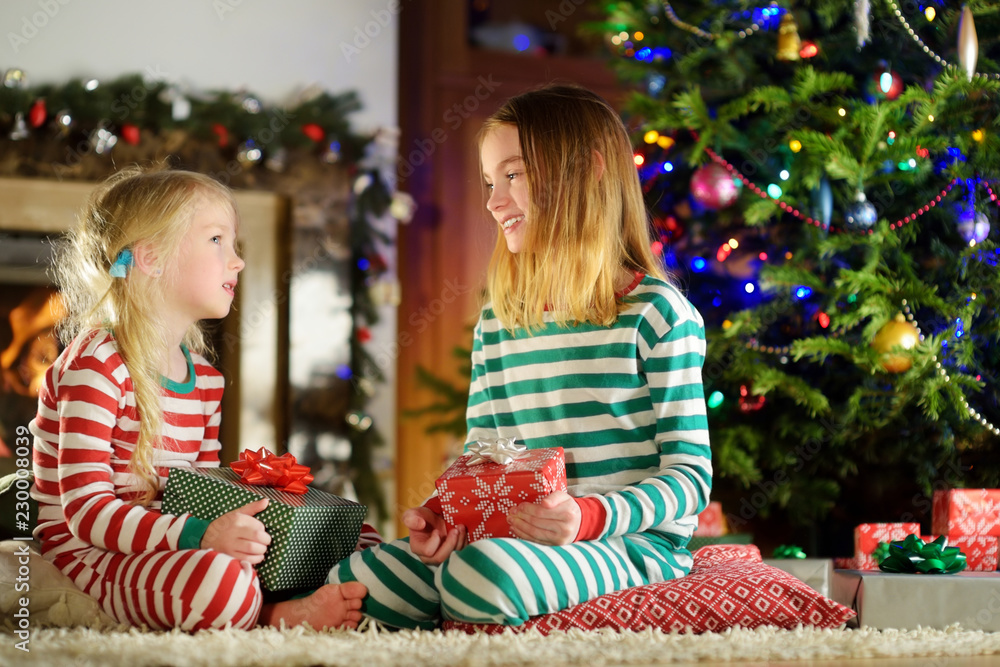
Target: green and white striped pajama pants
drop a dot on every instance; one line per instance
(503, 580)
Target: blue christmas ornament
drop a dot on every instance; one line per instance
(655, 84)
(861, 214)
(973, 226)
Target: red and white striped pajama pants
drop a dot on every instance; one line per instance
(188, 589)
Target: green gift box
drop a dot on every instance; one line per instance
(309, 532)
(699, 541)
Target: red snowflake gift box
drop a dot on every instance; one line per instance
(867, 537)
(480, 488)
(711, 522)
(966, 512)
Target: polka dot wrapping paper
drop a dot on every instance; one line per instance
(309, 533)
(480, 496)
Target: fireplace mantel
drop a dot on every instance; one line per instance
(254, 352)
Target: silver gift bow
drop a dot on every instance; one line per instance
(501, 450)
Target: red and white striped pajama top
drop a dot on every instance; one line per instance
(130, 557)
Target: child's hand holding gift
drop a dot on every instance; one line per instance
(239, 533)
(554, 520)
(430, 538)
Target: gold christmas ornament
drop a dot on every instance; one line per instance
(896, 332)
(788, 38)
(968, 43)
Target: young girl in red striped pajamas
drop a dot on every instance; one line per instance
(132, 396)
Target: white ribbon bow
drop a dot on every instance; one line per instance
(501, 450)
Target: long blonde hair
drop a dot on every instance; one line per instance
(584, 225)
(150, 206)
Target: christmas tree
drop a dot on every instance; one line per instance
(822, 176)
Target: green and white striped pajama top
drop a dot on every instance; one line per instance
(627, 405)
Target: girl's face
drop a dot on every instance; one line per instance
(202, 282)
(504, 171)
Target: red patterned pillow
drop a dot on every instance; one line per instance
(728, 586)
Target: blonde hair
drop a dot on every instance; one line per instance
(585, 224)
(152, 207)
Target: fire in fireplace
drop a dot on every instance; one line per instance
(29, 310)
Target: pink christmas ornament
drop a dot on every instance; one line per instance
(714, 187)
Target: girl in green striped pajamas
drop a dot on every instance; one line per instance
(584, 344)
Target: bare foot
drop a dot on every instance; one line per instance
(332, 606)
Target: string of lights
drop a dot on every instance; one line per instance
(898, 13)
(975, 414)
(788, 208)
(756, 26)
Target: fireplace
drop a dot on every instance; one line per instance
(251, 344)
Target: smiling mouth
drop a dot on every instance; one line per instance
(229, 287)
(510, 222)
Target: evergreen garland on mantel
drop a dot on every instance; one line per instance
(84, 129)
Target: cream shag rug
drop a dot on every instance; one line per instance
(374, 647)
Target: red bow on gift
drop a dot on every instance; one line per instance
(263, 468)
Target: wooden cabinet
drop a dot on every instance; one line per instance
(447, 87)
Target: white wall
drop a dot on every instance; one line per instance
(272, 48)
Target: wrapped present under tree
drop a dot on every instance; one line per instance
(966, 512)
(711, 521)
(981, 551)
(868, 536)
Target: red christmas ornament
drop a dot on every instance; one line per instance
(808, 50)
(314, 132)
(714, 187)
(888, 84)
(130, 133)
(748, 402)
(364, 334)
(38, 113)
(223, 134)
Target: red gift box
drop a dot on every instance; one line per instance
(479, 494)
(711, 522)
(850, 563)
(966, 512)
(867, 537)
(981, 552)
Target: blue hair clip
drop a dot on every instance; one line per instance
(122, 264)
